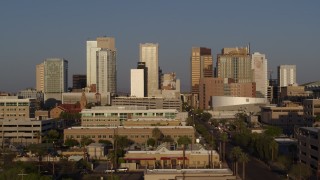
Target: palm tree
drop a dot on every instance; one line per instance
(223, 139)
(184, 140)
(274, 148)
(234, 155)
(244, 159)
(157, 135)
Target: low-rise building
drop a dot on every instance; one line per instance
(26, 131)
(11, 107)
(287, 117)
(196, 156)
(117, 115)
(189, 174)
(138, 134)
(96, 150)
(311, 108)
(149, 102)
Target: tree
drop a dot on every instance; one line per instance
(71, 142)
(167, 139)
(205, 116)
(300, 171)
(273, 131)
(85, 141)
(184, 141)
(223, 139)
(244, 159)
(157, 135)
(234, 155)
(151, 142)
(52, 135)
(122, 142)
(274, 149)
(106, 142)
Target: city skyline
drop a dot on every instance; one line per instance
(286, 32)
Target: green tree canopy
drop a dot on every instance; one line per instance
(85, 141)
(157, 134)
(184, 140)
(71, 142)
(151, 142)
(299, 171)
(123, 142)
(273, 131)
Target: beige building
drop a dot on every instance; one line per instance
(149, 102)
(96, 150)
(293, 91)
(308, 147)
(311, 108)
(201, 67)
(116, 115)
(27, 131)
(235, 63)
(167, 157)
(138, 134)
(40, 77)
(13, 108)
(286, 118)
(155, 121)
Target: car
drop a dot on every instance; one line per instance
(122, 169)
(109, 171)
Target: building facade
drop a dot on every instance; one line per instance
(137, 83)
(55, 75)
(235, 63)
(26, 131)
(309, 146)
(260, 74)
(106, 72)
(138, 134)
(201, 67)
(40, 77)
(13, 108)
(93, 46)
(79, 81)
(149, 102)
(149, 55)
(287, 75)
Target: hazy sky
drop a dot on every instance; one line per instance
(287, 31)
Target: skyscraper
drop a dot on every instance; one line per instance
(137, 83)
(79, 81)
(106, 72)
(55, 75)
(235, 63)
(260, 74)
(40, 77)
(287, 75)
(149, 55)
(92, 48)
(201, 67)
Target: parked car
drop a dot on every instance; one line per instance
(122, 169)
(109, 171)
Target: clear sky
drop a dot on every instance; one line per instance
(287, 31)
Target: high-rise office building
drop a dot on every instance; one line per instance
(235, 63)
(92, 48)
(260, 74)
(149, 55)
(286, 75)
(137, 83)
(79, 81)
(40, 77)
(55, 75)
(201, 66)
(106, 72)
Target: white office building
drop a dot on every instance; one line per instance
(287, 75)
(260, 74)
(137, 82)
(106, 72)
(149, 55)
